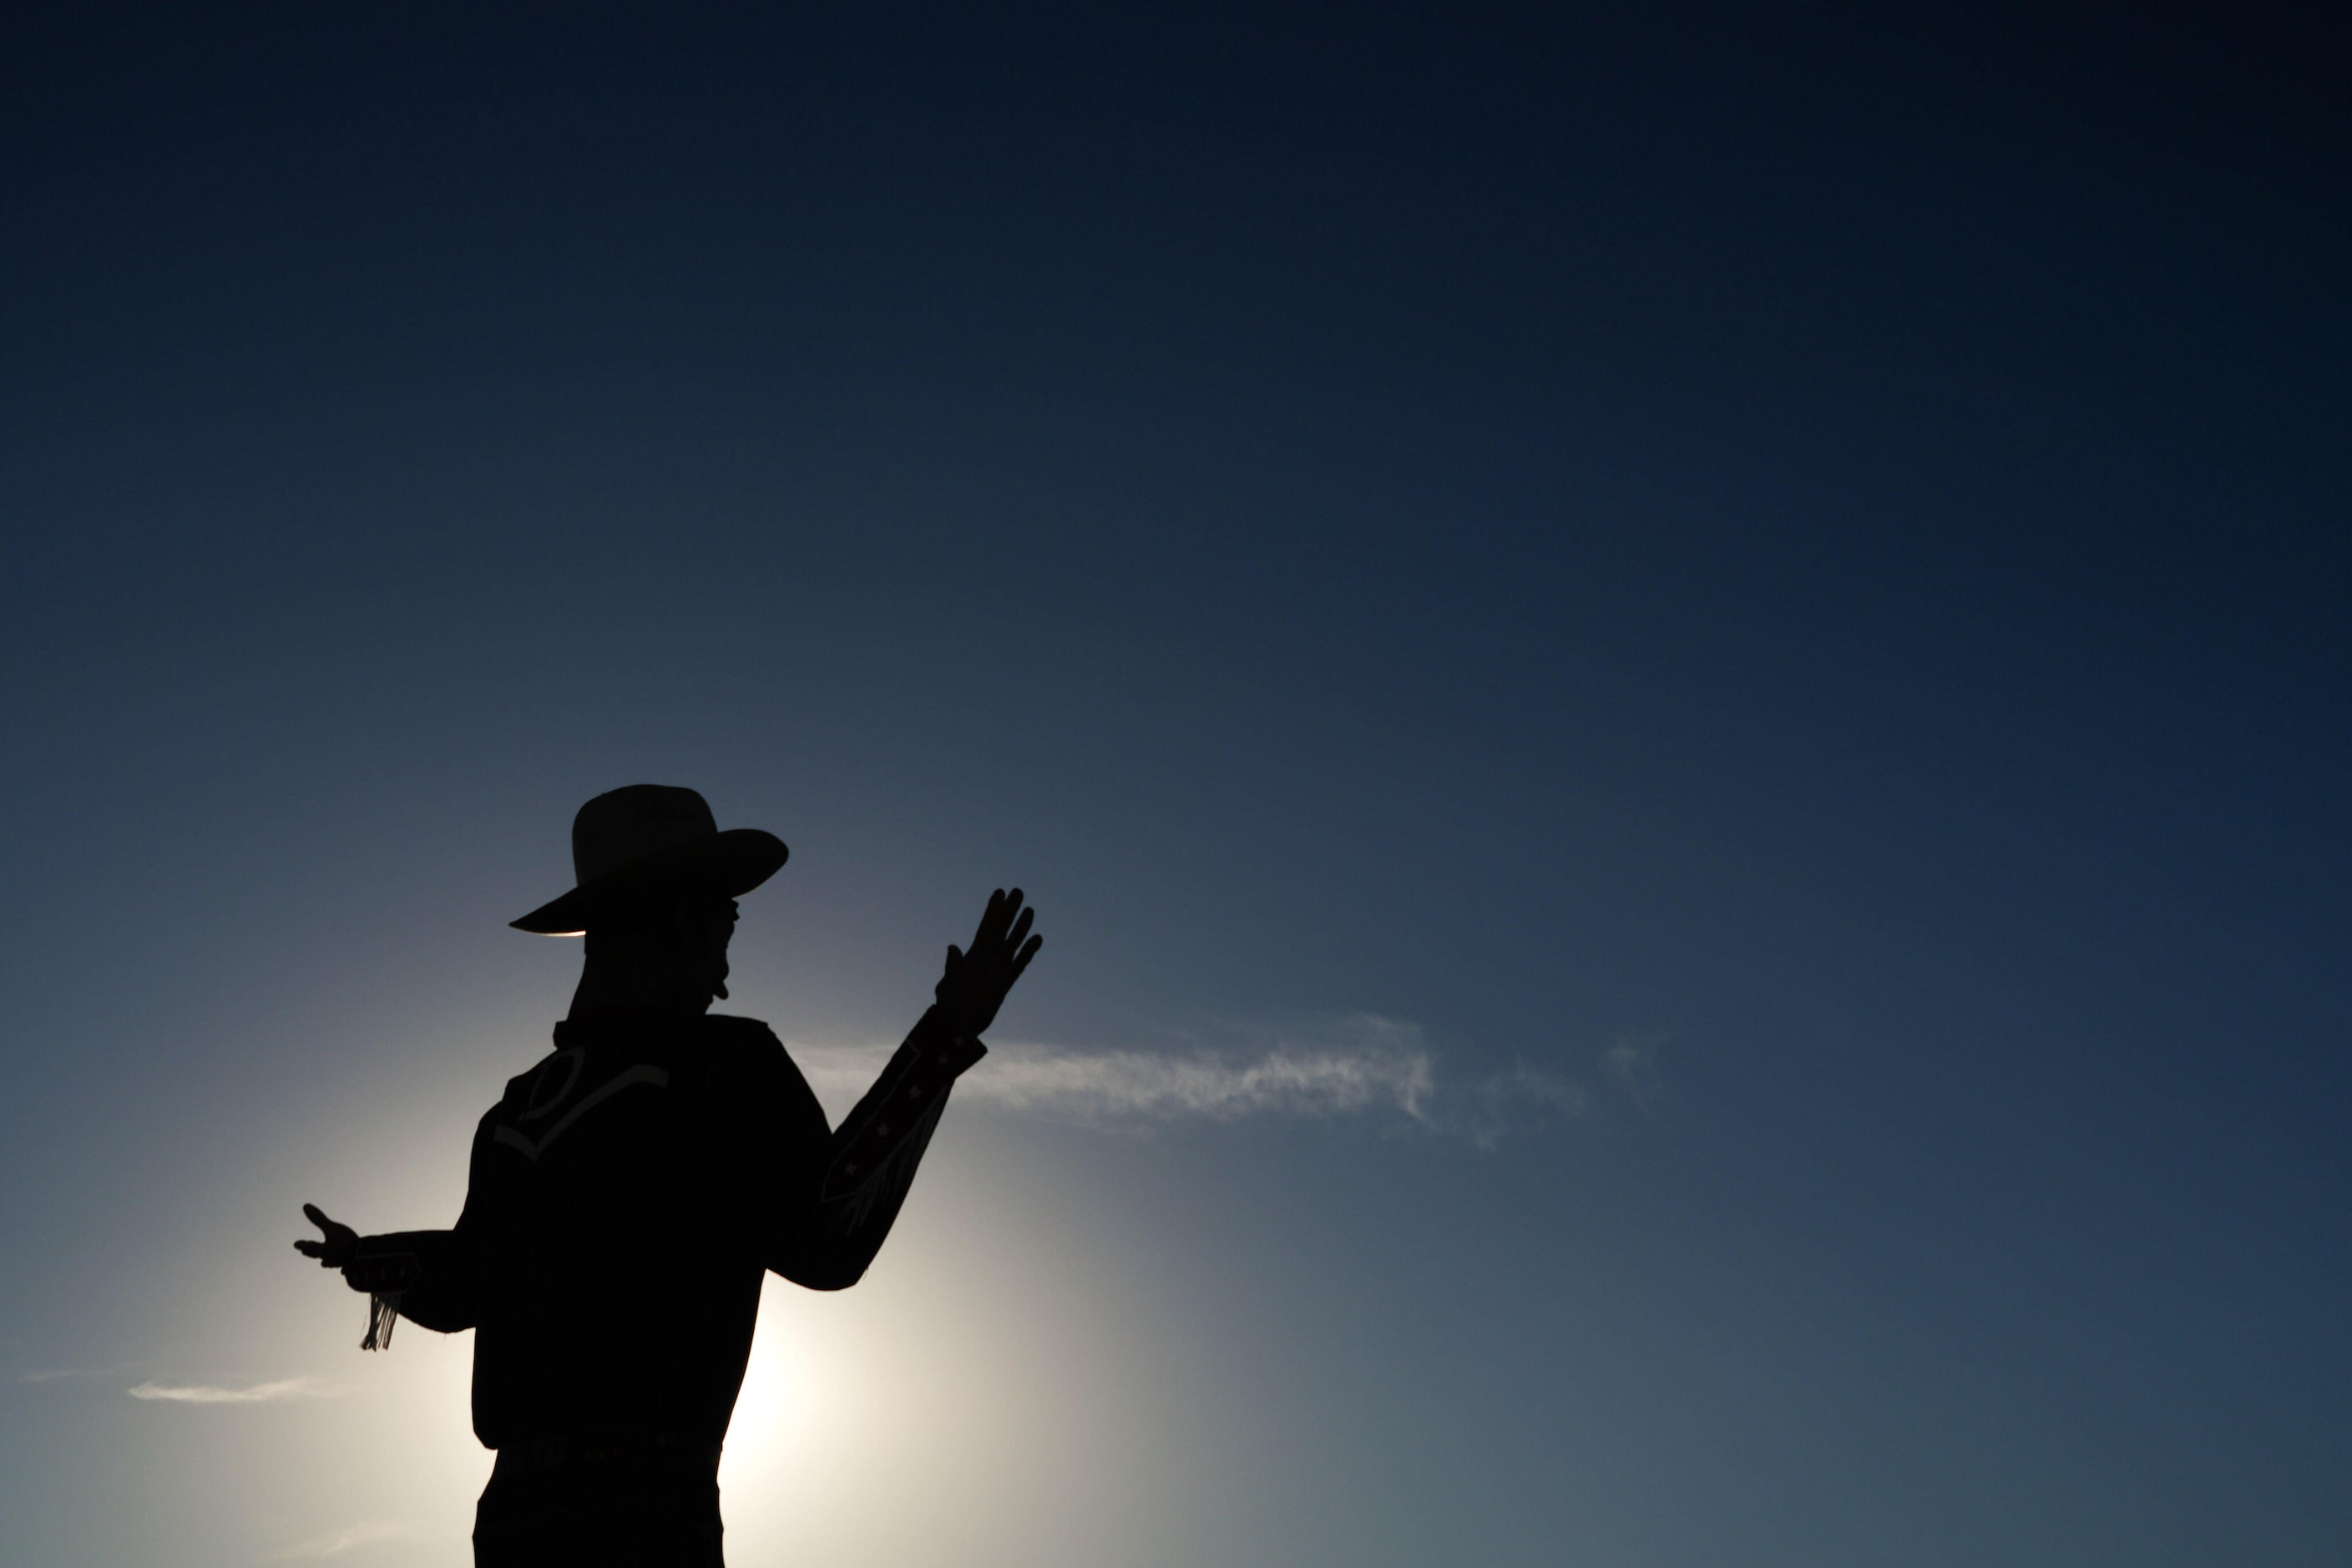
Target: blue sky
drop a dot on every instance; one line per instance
(1672, 694)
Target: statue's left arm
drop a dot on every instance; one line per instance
(826, 1240)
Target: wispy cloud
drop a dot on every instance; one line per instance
(335, 1543)
(1289, 1080)
(251, 1394)
(1356, 1065)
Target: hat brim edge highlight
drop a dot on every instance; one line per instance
(727, 865)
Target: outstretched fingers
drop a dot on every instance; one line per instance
(1020, 929)
(978, 977)
(1002, 930)
(993, 922)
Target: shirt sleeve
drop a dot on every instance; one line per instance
(828, 1236)
(429, 1277)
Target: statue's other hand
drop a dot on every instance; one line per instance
(336, 1249)
(977, 980)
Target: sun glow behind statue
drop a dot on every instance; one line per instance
(941, 1410)
(986, 1387)
(849, 1446)
(1004, 1380)
(795, 1417)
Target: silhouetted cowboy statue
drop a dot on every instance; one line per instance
(628, 1193)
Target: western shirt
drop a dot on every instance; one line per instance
(625, 1200)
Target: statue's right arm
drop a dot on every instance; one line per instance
(432, 1270)
(433, 1274)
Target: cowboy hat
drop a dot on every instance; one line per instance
(648, 841)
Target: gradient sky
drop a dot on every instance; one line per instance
(1674, 693)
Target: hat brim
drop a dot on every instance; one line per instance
(727, 866)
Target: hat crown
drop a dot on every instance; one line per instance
(627, 824)
(652, 842)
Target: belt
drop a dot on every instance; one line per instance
(547, 1452)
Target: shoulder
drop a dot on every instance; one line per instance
(740, 1048)
(750, 1062)
(551, 1079)
(745, 1034)
(740, 1044)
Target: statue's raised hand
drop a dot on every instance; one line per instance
(336, 1249)
(977, 980)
